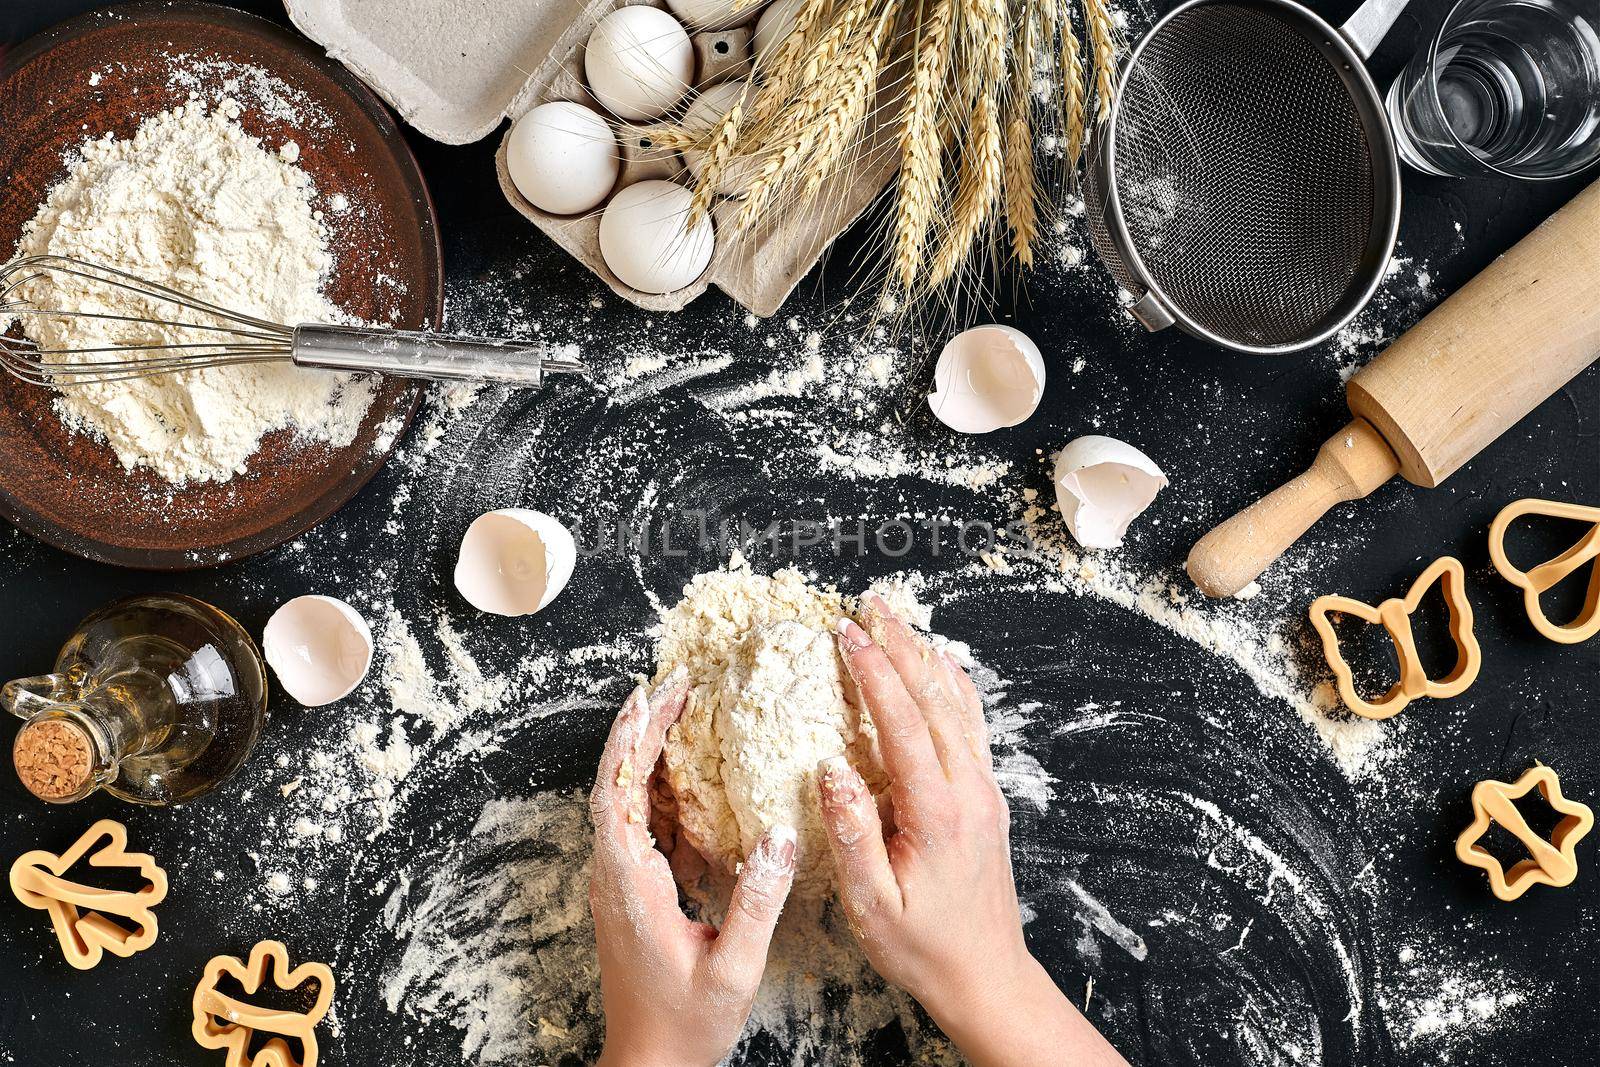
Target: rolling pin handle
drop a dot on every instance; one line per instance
(1350, 464)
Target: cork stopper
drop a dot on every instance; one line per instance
(54, 759)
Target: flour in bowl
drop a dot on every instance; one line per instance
(194, 202)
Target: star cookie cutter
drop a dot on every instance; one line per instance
(226, 1022)
(84, 917)
(1534, 583)
(1395, 617)
(1552, 862)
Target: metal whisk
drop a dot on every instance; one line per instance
(218, 337)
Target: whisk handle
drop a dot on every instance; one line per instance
(433, 356)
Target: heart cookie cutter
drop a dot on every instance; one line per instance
(1552, 862)
(84, 917)
(1536, 582)
(222, 1021)
(1395, 617)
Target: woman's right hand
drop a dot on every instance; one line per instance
(933, 903)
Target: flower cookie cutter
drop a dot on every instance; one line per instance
(1395, 617)
(1536, 582)
(84, 917)
(1552, 862)
(222, 1021)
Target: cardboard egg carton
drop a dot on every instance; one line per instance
(455, 69)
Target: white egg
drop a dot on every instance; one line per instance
(639, 62)
(987, 377)
(514, 561)
(646, 241)
(319, 647)
(709, 14)
(775, 23)
(701, 117)
(1102, 485)
(562, 156)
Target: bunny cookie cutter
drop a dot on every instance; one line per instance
(222, 1021)
(84, 917)
(1552, 862)
(1395, 617)
(1536, 582)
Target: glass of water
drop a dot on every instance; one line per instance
(1506, 87)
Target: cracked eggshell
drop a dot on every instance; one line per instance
(514, 561)
(319, 647)
(1102, 485)
(987, 377)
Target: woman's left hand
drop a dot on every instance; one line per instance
(675, 991)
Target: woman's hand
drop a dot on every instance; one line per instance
(676, 992)
(934, 904)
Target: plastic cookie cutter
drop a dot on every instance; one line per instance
(85, 917)
(223, 1021)
(1395, 617)
(1552, 862)
(1534, 583)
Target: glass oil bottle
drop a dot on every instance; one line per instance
(155, 699)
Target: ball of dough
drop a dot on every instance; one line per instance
(744, 755)
(639, 63)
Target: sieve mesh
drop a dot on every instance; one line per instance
(1244, 176)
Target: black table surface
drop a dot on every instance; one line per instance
(1308, 918)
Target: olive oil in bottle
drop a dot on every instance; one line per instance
(155, 699)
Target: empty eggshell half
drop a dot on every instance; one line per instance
(987, 377)
(514, 561)
(1102, 485)
(319, 647)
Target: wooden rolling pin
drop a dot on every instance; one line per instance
(1455, 381)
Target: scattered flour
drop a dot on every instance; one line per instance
(194, 202)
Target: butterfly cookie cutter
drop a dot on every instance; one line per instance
(84, 917)
(1552, 862)
(222, 1021)
(1536, 582)
(1395, 617)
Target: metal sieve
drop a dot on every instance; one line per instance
(1245, 185)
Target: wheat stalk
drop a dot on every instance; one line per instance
(920, 142)
(780, 76)
(826, 78)
(1021, 192)
(1074, 97)
(1103, 40)
(860, 86)
(963, 115)
(982, 170)
(714, 161)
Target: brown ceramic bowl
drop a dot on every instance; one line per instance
(110, 70)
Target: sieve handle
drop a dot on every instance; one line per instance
(1370, 25)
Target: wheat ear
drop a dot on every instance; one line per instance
(799, 124)
(1021, 193)
(714, 161)
(1103, 41)
(982, 171)
(920, 142)
(860, 83)
(780, 77)
(1075, 100)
